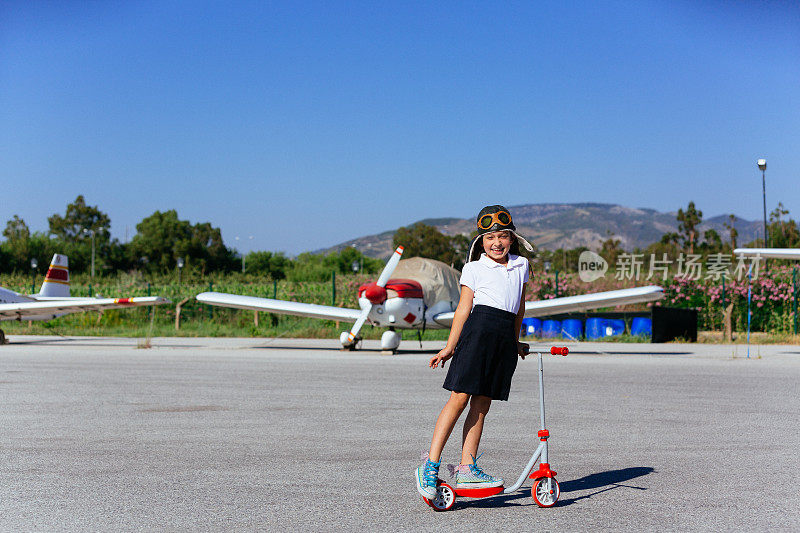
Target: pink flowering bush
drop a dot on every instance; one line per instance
(771, 296)
(771, 301)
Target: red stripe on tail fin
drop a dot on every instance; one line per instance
(57, 274)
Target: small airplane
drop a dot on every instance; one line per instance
(769, 253)
(424, 296)
(54, 300)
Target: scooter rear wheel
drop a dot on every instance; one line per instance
(445, 498)
(542, 496)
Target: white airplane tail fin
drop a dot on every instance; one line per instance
(56, 282)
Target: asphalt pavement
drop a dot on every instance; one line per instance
(293, 434)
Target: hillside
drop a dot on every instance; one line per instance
(554, 226)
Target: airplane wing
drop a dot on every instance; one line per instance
(24, 310)
(583, 302)
(769, 253)
(279, 306)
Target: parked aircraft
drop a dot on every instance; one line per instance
(53, 299)
(769, 253)
(423, 296)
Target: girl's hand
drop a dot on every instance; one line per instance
(522, 349)
(441, 357)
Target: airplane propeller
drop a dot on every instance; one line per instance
(375, 294)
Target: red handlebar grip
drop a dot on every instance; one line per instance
(555, 350)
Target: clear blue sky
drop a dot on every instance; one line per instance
(305, 124)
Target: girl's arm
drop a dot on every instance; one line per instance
(462, 313)
(518, 321)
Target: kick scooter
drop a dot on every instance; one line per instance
(545, 490)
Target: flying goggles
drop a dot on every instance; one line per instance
(487, 221)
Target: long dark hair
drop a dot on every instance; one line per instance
(477, 248)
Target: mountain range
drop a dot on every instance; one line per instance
(554, 226)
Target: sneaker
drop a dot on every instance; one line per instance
(427, 475)
(472, 477)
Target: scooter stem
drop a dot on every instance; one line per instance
(541, 390)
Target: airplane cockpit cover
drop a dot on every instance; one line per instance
(440, 282)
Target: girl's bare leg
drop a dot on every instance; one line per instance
(444, 424)
(473, 428)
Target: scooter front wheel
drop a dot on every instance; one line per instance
(543, 496)
(445, 498)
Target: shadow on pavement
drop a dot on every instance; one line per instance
(303, 348)
(602, 482)
(599, 482)
(101, 343)
(365, 351)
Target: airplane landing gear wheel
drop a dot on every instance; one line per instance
(445, 498)
(348, 346)
(543, 496)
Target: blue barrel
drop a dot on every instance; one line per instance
(551, 329)
(642, 326)
(615, 326)
(595, 328)
(532, 326)
(572, 329)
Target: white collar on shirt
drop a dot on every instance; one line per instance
(513, 261)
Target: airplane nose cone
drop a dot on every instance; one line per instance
(375, 294)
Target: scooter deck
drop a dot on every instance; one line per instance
(483, 492)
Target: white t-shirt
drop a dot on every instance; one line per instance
(496, 285)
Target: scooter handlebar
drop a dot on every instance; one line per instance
(554, 350)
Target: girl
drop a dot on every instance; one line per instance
(483, 344)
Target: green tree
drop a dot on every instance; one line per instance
(162, 237)
(21, 246)
(16, 230)
(73, 235)
(310, 267)
(688, 222)
(610, 250)
(668, 244)
(318, 267)
(712, 242)
(80, 217)
(670, 239)
(16, 248)
(269, 264)
(207, 249)
(782, 233)
(460, 244)
(731, 227)
(422, 240)
(572, 256)
(563, 260)
(344, 260)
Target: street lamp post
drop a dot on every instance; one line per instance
(180, 271)
(92, 233)
(360, 258)
(34, 265)
(762, 165)
(249, 237)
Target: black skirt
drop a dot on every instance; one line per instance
(486, 354)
